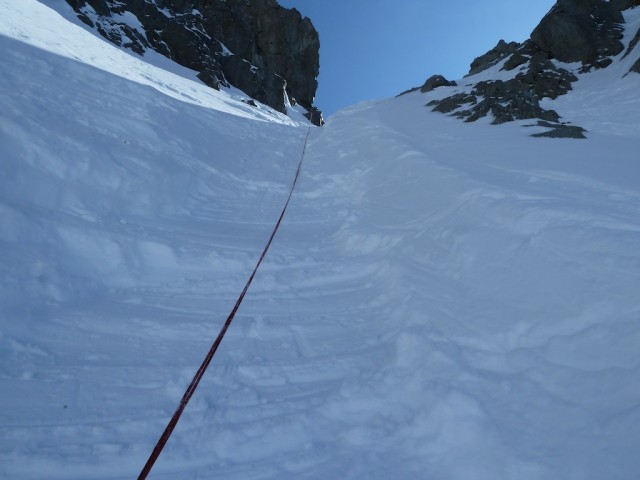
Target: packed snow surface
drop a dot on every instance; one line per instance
(443, 301)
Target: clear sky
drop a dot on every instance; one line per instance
(379, 48)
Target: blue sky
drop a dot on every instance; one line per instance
(379, 48)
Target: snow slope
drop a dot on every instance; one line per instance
(444, 300)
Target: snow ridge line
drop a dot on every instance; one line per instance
(207, 360)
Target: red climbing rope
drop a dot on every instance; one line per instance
(205, 364)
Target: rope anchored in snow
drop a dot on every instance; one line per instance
(205, 364)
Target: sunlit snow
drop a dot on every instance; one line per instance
(444, 300)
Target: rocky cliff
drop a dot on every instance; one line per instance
(510, 81)
(258, 46)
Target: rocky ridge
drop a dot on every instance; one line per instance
(269, 52)
(574, 38)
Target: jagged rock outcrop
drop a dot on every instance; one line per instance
(632, 45)
(433, 82)
(539, 73)
(493, 56)
(560, 130)
(586, 31)
(257, 46)
(514, 99)
(506, 101)
(436, 81)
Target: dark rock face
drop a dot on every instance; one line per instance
(255, 45)
(624, 4)
(585, 31)
(315, 116)
(633, 43)
(506, 101)
(540, 74)
(493, 56)
(436, 81)
(454, 103)
(509, 101)
(558, 130)
(517, 98)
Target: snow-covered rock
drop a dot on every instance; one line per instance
(257, 46)
(511, 80)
